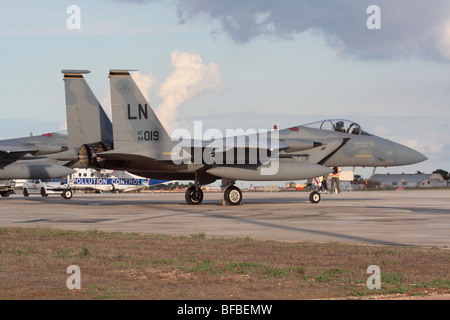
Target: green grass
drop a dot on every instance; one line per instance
(129, 266)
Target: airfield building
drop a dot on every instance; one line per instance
(433, 180)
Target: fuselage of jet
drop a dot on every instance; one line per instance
(302, 151)
(26, 158)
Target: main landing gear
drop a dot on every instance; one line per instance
(194, 194)
(232, 195)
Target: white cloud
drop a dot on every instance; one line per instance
(144, 82)
(428, 135)
(381, 131)
(423, 145)
(433, 142)
(443, 43)
(63, 127)
(106, 103)
(190, 79)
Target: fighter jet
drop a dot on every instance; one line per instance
(53, 155)
(27, 157)
(142, 146)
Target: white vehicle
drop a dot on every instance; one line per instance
(109, 181)
(44, 187)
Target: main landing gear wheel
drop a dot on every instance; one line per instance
(233, 196)
(314, 197)
(192, 196)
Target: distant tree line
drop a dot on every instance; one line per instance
(171, 186)
(443, 173)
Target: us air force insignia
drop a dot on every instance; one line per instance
(124, 88)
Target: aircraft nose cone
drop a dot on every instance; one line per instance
(406, 156)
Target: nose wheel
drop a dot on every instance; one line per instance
(314, 197)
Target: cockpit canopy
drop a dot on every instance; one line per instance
(339, 125)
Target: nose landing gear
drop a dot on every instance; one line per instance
(314, 197)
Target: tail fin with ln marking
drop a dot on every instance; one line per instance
(137, 129)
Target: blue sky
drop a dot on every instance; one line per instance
(258, 63)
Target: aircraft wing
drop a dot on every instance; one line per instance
(213, 146)
(15, 151)
(234, 149)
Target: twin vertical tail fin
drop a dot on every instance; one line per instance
(89, 128)
(137, 129)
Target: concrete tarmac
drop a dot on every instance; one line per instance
(419, 217)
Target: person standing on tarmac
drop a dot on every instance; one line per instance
(335, 179)
(323, 186)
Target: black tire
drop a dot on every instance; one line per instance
(314, 197)
(113, 189)
(193, 197)
(43, 192)
(67, 194)
(5, 194)
(26, 193)
(233, 196)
